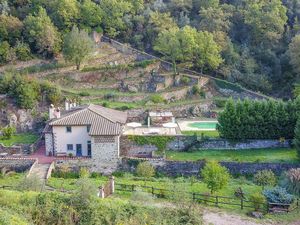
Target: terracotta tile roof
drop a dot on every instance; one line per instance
(103, 121)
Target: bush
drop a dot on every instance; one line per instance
(157, 99)
(265, 178)
(220, 103)
(8, 132)
(84, 93)
(32, 183)
(291, 181)
(145, 169)
(185, 80)
(257, 200)
(141, 196)
(215, 176)
(109, 96)
(23, 51)
(84, 173)
(278, 195)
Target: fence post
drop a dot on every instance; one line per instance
(101, 192)
(132, 187)
(242, 203)
(112, 184)
(194, 196)
(217, 201)
(152, 190)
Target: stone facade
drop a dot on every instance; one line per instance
(11, 150)
(49, 143)
(186, 168)
(105, 153)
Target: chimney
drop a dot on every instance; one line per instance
(51, 112)
(67, 105)
(57, 113)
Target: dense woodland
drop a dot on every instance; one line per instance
(252, 42)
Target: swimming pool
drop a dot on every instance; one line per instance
(204, 125)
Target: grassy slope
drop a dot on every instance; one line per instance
(254, 155)
(25, 138)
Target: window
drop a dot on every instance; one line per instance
(69, 147)
(88, 128)
(89, 148)
(69, 129)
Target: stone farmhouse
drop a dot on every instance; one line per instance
(87, 131)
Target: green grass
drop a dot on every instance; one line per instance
(12, 179)
(212, 134)
(165, 183)
(253, 155)
(25, 138)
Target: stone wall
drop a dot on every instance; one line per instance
(18, 165)
(105, 153)
(49, 143)
(186, 168)
(184, 143)
(11, 150)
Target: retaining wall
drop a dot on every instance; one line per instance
(186, 143)
(186, 168)
(18, 165)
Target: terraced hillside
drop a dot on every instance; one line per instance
(119, 77)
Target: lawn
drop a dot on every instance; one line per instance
(212, 134)
(186, 184)
(253, 155)
(25, 138)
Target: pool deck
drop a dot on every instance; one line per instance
(184, 125)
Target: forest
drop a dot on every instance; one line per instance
(255, 43)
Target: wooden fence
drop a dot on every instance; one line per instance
(207, 199)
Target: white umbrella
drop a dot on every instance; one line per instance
(134, 125)
(170, 125)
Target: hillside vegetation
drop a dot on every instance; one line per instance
(254, 43)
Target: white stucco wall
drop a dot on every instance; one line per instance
(79, 135)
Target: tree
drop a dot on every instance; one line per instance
(267, 20)
(207, 51)
(297, 137)
(42, 34)
(215, 176)
(265, 178)
(145, 169)
(64, 13)
(77, 46)
(294, 54)
(7, 53)
(113, 13)
(10, 29)
(168, 44)
(90, 15)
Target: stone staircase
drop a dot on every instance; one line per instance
(40, 171)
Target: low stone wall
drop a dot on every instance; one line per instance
(73, 164)
(11, 150)
(18, 165)
(186, 168)
(185, 143)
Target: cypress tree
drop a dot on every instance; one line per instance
(297, 137)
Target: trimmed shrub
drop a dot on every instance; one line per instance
(278, 195)
(265, 178)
